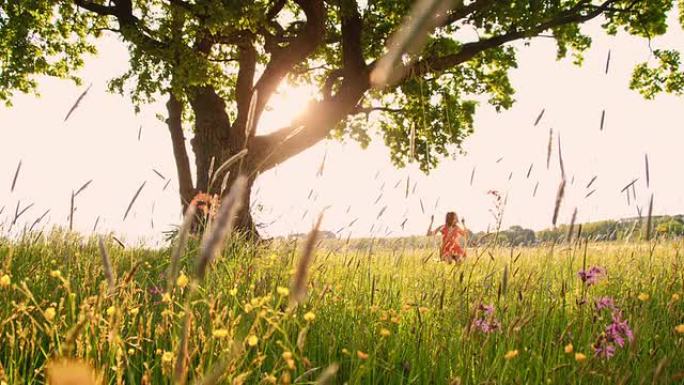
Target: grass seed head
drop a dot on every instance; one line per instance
(298, 290)
(212, 242)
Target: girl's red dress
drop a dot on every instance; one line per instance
(450, 241)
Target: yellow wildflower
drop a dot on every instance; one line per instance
(569, 348)
(134, 311)
(131, 351)
(291, 364)
(55, 274)
(579, 357)
(233, 292)
(675, 297)
(110, 311)
(287, 355)
(286, 378)
(167, 357)
(361, 355)
(679, 328)
(310, 316)
(511, 354)
(182, 280)
(643, 297)
(252, 340)
(50, 314)
(5, 281)
(384, 332)
(220, 333)
(283, 291)
(166, 298)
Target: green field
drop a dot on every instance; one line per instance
(381, 315)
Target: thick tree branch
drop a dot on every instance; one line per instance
(325, 115)
(101, 10)
(276, 7)
(353, 62)
(470, 50)
(175, 109)
(330, 80)
(243, 89)
(267, 151)
(130, 26)
(285, 58)
(352, 49)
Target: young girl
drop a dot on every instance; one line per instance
(451, 250)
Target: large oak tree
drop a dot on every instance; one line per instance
(214, 61)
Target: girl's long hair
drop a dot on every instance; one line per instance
(451, 219)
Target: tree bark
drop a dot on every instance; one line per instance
(244, 223)
(174, 121)
(216, 138)
(213, 136)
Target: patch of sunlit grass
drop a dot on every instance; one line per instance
(387, 315)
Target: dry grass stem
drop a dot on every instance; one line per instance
(106, 265)
(298, 289)
(135, 196)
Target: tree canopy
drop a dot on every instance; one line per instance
(212, 58)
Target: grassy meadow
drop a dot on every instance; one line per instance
(377, 315)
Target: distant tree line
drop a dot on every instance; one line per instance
(608, 230)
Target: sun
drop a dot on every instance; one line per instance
(287, 103)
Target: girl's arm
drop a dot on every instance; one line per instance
(435, 231)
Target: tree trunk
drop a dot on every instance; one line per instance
(244, 222)
(215, 141)
(174, 121)
(211, 143)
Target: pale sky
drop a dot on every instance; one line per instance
(100, 142)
